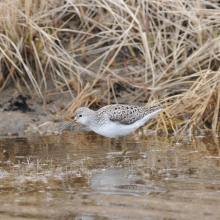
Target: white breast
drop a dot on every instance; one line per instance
(114, 129)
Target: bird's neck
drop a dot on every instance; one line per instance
(92, 118)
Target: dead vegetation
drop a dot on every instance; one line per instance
(159, 50)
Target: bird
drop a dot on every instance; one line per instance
(116, 120)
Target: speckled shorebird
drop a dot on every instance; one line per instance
(115, 120)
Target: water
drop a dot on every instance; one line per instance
(81, 175)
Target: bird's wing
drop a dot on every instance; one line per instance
(126, 114)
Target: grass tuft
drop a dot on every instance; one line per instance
(156, 50)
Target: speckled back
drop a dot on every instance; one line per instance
(125, 114)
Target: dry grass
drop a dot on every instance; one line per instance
(157, 50)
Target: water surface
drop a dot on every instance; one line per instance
(81, 175)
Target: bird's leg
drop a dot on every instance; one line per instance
(124, 146)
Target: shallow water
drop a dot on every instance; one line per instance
(81, 175)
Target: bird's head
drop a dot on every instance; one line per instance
(82, 115)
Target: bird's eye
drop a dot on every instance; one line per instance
(80, 115)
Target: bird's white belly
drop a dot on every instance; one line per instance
(113, 130)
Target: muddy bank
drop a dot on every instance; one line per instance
(21, 111)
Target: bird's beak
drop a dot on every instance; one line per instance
(68, 125)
